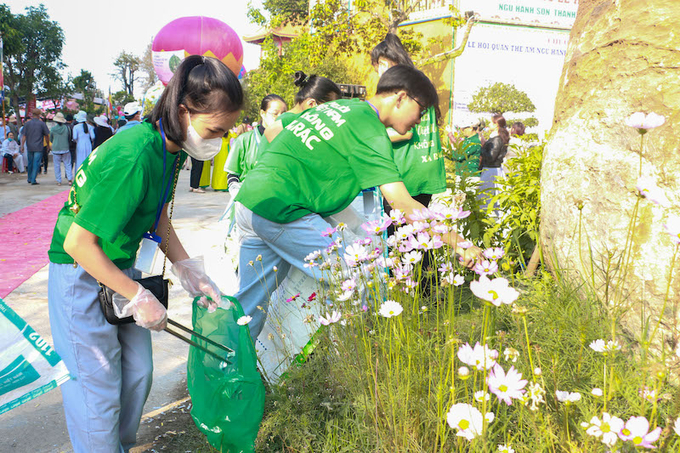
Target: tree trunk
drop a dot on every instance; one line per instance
(623, 57)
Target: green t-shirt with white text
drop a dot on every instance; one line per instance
(116, 192)
(320, 162)
(243, 154)
(420, 159)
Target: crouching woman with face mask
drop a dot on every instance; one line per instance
(120, 193)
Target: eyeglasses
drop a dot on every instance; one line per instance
(423, 109)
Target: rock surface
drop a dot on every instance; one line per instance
(623, 57)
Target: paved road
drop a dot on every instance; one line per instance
(39, 426)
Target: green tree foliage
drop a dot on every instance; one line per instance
(275, 74)
(127, 66)
(146, 67)
(288, 11)
(84, 84)
(500, 98)
(121, 97)
(332, 34)
(32, 51)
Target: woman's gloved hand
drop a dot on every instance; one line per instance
(146, 310)
(192, 276)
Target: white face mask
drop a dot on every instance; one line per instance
(198, 147)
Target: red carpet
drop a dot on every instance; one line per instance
(26, 235)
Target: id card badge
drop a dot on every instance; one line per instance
(146, 256)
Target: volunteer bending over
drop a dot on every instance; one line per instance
(120, 193)
(314, 168)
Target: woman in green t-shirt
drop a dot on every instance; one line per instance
(243, 153)
(315, 167)
(119, 196)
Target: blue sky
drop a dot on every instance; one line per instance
(96, 32)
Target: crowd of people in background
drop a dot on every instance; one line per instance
(68, 138)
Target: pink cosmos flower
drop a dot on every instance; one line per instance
(446, 267)
(423, 241)
(437, 242)
(419, 226)
(494, 253)
(291, 299)
(506, 386)
(349, 285)
(643, 122)
(636, 430)
(465, 245)
(421, 214)
(328, 232)
(311, 297)
(377, 227)
(486, 267)
(406, 246)
(440, 228)
(497, 291)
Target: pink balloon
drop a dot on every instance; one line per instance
(196, 35)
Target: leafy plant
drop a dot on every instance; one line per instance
(519, 202)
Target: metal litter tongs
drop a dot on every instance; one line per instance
(230, 352)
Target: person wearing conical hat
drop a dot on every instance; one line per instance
(60, 136)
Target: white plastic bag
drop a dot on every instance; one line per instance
(29, 366)
(286, 333)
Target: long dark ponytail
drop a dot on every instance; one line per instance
(315, 87)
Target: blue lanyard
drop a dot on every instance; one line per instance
(374, 108)
(164, 194)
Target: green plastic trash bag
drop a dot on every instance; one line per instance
(228, 399)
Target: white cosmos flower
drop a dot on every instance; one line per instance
(330, 318)
(643, 122)
(648, 189)
(497, 291)
(567, 397)
(467, 420)
(600, 346)
(481, 396)
(505, 449)
(672, 227)
(480, 357)
(607, 428)
(412, 257)
(676, 426)
(244, 320)
(390, 308)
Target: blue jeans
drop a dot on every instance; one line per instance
(111, 366)
(281, 245)
(34, 161)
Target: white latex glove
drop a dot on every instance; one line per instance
(195, 281)
(233, 188)
(147, 311)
